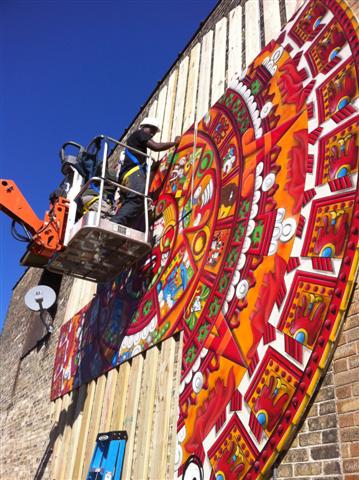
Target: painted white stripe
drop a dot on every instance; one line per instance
(192, 84)
(219, 60)
(167, 120)
(234, 42)
(152, 113)
(180, 98)
(205, 75)
(272, 25)
(252, 34)
(290, 7)
(161, 105)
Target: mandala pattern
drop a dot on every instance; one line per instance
(255, 253)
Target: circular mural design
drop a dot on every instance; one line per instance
(255, 253)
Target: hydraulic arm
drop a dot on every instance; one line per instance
(14, 204)
(47, 234)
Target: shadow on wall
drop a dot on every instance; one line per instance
(47, 454)
(67, 418)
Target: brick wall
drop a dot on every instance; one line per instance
(26, 411)
(346, 381)
(315, 452)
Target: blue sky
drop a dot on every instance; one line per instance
(70, 70)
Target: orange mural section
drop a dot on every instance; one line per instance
(255, 252)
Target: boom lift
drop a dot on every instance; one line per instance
(89, 246)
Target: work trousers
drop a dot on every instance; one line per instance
(131, 213)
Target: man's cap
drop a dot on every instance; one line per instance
(150, 122)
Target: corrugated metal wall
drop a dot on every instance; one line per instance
(140, 396)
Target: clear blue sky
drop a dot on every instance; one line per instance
(70, 70)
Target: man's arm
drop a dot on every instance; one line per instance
(161, 146)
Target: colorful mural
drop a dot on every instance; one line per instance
(255, 253)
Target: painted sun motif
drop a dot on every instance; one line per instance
(255, 253)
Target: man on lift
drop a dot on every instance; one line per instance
(133, 171)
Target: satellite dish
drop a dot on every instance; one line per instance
(40, 298)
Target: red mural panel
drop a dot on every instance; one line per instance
(255, 253)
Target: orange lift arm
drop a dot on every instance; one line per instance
(47, 235)
(14, 204)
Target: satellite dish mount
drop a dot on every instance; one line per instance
(40, 299)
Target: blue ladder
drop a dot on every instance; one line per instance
(107, 459)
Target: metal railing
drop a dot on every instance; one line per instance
(102, 180)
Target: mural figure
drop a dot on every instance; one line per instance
(256, 251)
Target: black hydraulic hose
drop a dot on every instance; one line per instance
(17, 235)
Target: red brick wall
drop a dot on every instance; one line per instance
(346, 381)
